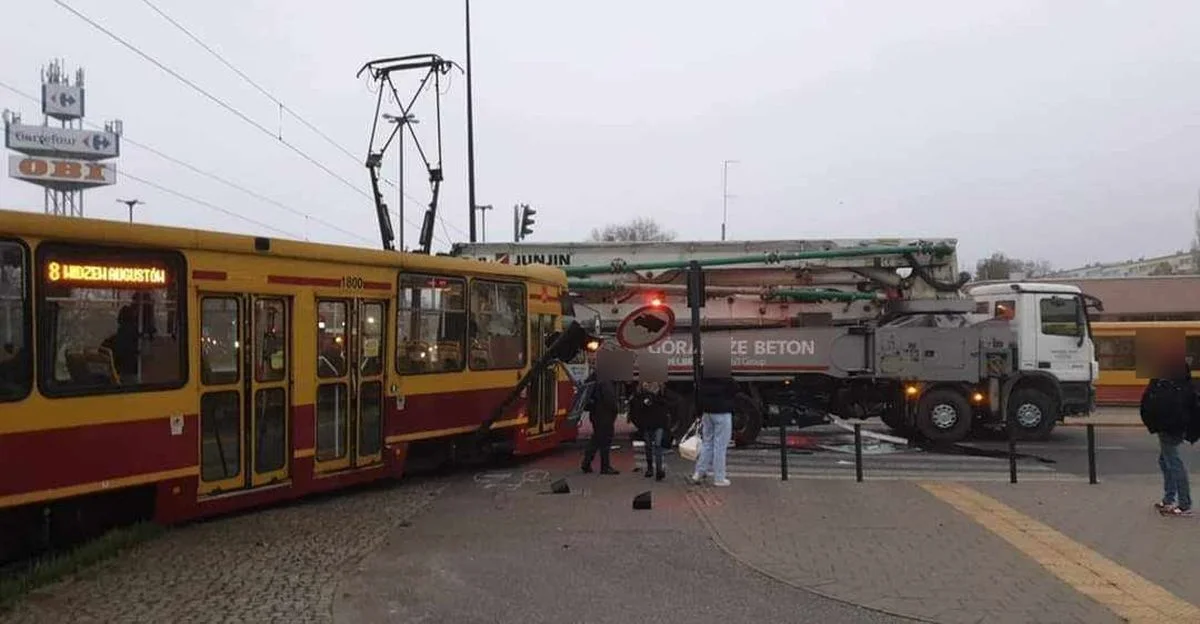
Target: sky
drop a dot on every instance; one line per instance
(1063, 130)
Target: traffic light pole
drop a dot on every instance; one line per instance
(516, 223)
(696, 297)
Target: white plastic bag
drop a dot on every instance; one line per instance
(689, 446)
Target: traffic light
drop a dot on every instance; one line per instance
(526, 220)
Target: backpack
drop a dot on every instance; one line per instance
(1165, 406)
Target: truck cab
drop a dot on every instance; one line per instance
(1056, 358)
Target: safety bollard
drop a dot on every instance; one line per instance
(858, 452)
(1012, 452)
(783, 449)
(1091, 435)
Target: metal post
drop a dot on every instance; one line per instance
(783, 448)
(858, 468)
(470, 131)
(1091, 437)
(1010, 426)
(400, 182)
(516, 224)
(694, 269)
(725, 195)
(483, 222)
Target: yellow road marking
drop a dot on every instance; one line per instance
(1090, 573)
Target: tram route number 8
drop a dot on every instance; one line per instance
(350, 282)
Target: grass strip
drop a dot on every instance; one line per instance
(22, 578)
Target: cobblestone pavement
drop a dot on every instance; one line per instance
(497, 548)
(277, 565)
(890, 546)
(1116, 520)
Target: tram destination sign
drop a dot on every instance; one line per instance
(63, 142)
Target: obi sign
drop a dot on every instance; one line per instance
(67, 173)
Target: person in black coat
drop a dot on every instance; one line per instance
(649, 412)
(604, 404)
(1169, 410)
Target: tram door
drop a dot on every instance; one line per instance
(543, 399)
(350, 372)
(245, 368)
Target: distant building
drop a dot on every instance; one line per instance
(1174, 264)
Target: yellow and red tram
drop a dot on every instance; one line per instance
(1124, 349)
(174, 374)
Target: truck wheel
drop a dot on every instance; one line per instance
(944, 416)
(747, 420)
(1033, 412)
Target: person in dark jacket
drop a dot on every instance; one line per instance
(605, 403)
(716, 428)
(649, 412)
(1169, 410)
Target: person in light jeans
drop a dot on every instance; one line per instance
(716, 429)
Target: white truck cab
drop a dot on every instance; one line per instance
(1055, 353)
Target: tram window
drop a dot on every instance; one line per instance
(1116, 353)
(220, 345)
(497, 325)
(1191, 347)
(1060, 316)
(110, 320)
(15, 324)
(271, 333)
(331, 339)
(431, 324)
(370, 362)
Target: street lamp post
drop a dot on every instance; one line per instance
(131, 203)
(483, 222)
(725, 195)
(470, 130)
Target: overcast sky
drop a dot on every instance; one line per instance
(1066, 130)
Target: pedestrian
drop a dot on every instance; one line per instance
(716, 428)
(603, 407)
(1169, 410)
(648, 411)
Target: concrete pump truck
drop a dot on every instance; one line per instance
(853, 328)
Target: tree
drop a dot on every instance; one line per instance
(639, 229)
(1001, 267)
(1162, 268)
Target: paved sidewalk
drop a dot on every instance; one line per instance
(1117, 521)
(888, 545)
(273, 565)
(498, 548)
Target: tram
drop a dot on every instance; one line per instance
(1124, 349)
(168, 374)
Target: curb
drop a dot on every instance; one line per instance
(716, 538)
(1113, 423)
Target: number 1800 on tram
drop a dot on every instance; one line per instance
(163, 373)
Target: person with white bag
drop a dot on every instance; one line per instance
(716, 428)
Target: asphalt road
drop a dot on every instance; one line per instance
(1120, 451)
